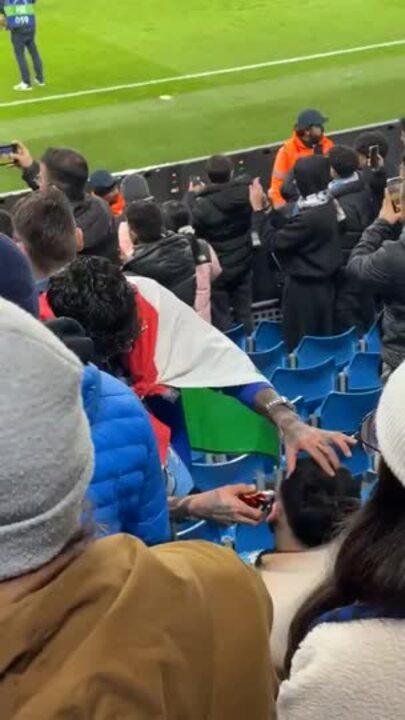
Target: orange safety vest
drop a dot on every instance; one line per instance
(287, 156)
(118, 206)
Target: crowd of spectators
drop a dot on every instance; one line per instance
(106, 303)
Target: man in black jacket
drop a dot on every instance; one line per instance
(378, 263)
(354, 305)
(222, 215)
(67, 170)
(159, 254)
(307, 247)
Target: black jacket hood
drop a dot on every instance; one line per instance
(312, 174)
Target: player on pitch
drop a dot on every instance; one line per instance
(18, 16)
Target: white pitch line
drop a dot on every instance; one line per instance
(205, 74)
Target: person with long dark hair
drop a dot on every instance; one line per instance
(346, 655)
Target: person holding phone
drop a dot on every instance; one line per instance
(378, 263)
(20, 19)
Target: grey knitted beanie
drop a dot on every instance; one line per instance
(390, 423)
(135, 187)
(45, 446)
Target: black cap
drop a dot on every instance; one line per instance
(102, 180)
(309, 117)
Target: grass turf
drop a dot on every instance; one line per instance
(93, 45)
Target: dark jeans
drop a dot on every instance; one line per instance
(308, 308)
(236, 295)
(25, 40)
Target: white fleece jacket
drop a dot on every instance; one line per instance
(347, 671)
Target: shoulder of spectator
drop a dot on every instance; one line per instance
(374, 236)
(331, 666)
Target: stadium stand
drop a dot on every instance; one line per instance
(114, 389)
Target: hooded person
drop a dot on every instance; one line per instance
(306, 246)
(74, 609)
(134, 187)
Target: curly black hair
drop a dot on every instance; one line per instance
(97, 294)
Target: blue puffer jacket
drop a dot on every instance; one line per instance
(127, 492)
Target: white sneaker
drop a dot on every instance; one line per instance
(38, 82)
(22, 87)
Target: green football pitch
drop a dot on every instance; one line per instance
(90, 48)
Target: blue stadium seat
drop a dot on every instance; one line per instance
(268, 360)
(373, 337)
(250, 539)
(359, 463)
(242, 469)
(267, 335)
(312, 383)
(314, 350)
(364, 371)
(201, 530)
(238, 336)
(345, 411)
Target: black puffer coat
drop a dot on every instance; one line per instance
(170, 262)
(378, 263)
(222, 215)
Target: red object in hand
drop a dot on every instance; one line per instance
(260, 501)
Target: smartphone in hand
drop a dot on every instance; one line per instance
(394, 190)
(374, 156)
(260, 501)
(6, 152)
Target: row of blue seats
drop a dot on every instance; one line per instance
(314, 381)
(315, 384)
(266, 346)
(362, 372)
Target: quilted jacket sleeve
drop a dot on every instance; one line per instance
(371, 260)
(127, 492)
(151, 520)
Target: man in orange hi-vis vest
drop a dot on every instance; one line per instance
(307, 139)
